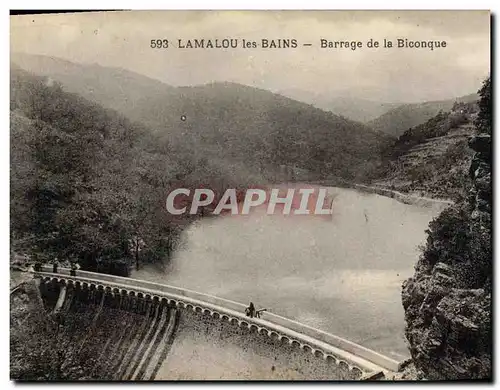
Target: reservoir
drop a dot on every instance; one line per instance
(341, 274)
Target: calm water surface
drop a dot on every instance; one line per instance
(341, 274)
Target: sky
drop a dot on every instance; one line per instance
(122, 39)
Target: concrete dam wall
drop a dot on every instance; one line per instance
(133, 335)
(126, 338)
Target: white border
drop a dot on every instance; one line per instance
(256, 4)
(185, 4)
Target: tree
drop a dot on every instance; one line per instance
(483, 121)
(86, 182)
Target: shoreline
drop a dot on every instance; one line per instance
(402, 197)
(383, 191)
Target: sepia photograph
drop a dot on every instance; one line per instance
(225, 195)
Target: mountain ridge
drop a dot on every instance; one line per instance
(224, 121)
(92, 81)
(399, 119)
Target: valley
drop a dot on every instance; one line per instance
(96, 150)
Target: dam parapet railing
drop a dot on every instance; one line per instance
(338, 348)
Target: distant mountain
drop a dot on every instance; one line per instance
(251, 124)
(98, 83)
(114, 88)
(397, 120)
(357, 109)
(227, 121)
(361, 110)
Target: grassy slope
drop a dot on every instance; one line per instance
(432, 159)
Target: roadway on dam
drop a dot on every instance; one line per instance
(137, 330)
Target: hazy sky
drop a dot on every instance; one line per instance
(392, 75)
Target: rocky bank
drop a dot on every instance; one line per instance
(447, 302)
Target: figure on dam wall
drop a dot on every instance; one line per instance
(74, 267)
(250, 310)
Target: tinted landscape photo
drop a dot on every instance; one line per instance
(250, 195)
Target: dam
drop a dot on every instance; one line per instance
(331, 286)
(340, 274)
(138, 330)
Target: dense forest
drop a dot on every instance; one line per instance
(96, 150)
(88, 183)
(249, 128)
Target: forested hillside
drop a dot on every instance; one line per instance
(263, 129)
(113, 88)
(432, 159)
(250, 127)
(88, 185)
